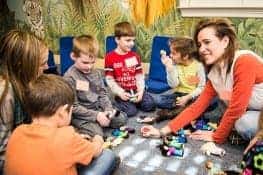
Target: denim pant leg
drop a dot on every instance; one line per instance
(248, 124)
(165, 101)
(102, 165)
(147, 104)
(126, 106)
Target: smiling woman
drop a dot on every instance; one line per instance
(229, 78)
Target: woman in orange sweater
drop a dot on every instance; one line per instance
(235, 76)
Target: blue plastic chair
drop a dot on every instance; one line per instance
(52, 67)
(157, 82)
(65, 49)
(111, 44)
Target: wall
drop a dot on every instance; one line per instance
(97, 17)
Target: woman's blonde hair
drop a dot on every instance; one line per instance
(20, 55)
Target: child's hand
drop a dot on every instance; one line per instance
(98, 138)
(139, 96)
(103, 119)
(182, 101)
(251, 144)
(166, 60)
(125, 96)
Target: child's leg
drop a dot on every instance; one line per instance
(87, 127)
(147, 104)
(105, 164)
(248, 124)
(165, 101)
(119, 120)
(129, 108)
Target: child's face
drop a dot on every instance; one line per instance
(125, 43)
(177, 57)
(85, 62)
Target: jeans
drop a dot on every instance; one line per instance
(131, 109)
(105, 164)
(167, 101)
(247, 125)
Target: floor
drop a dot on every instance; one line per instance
(140, 156)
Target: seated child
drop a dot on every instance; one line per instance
(184, 74)
(124, 76)
(92, 108)
(48, 145)
(252, 159)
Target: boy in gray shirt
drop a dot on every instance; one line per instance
(92, 109)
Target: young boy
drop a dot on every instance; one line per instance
(92, 109)
(49, 145)
(124, 74)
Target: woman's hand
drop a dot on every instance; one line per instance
(202, 135)
(150, 131)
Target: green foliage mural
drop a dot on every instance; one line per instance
(97, 17)
(62, 19)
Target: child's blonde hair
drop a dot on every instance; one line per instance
(124, 29)
(184, 45)
(85, 44)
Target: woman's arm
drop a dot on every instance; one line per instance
(194, 110)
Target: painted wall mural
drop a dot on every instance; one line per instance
(97, 17)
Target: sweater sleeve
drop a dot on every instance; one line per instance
(193, 111)
(109, 77)
(104, 98)
(82, 150)
(244, 80)
(172, 76)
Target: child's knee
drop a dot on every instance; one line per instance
(246, 127)
(131, 111)
(119, 120)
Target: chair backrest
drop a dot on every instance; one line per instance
(52, 67)
(157, 69)
(65, 49)
(157, 82)
(111, 44)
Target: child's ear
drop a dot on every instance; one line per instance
(186, 57)
(62, 110)
(116, 39)
(73, 56)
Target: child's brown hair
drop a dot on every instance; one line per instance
(85, 44)
(124, 29)
(184, 45)
(46, 94)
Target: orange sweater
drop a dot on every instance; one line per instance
(247, 72)
(37, 149)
